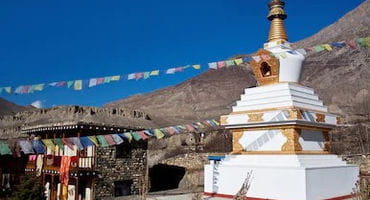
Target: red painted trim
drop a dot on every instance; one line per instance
(227, 196)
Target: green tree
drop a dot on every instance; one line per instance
(30, 188)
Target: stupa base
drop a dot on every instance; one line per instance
(282, 177)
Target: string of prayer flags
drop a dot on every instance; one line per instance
(92, 82)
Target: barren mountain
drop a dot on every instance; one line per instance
(9, 108)
(340, 77)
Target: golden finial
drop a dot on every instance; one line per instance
(276, 16)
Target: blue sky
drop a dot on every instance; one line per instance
(44, 41)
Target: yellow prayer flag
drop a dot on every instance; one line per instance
(367, 41)
(283, 55)
(115, 78)
(327, 47)
(8, 89)
(93, 140)
(158, 133)
(196, 66)
(129, 136)
(154, 73)
(78, 85)
(38, 87)
(238, 61)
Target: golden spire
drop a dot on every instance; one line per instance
(276, 16)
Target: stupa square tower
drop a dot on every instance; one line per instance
(280, 133)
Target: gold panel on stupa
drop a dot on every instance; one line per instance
(266, 70)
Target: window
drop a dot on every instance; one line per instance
(123, 150)
(265, 69)
(122, 188)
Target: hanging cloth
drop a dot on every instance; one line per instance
(117, 139)
(4, 149)
(26, 146)
(86, 142)
(59, 142)
(76, 141)
(64, 170)
(93, 140)
(49, 144)
(39, 162)
(109, 140)
(102, 141)
(38, 146)
(68, 142)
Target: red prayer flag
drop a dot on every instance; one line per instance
(142, 135)
(351, 44)
(139, 75)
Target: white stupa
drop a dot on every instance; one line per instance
(280, 133)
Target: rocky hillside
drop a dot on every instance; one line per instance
(9, 108)
(341, 78)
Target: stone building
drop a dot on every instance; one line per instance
(96, 172)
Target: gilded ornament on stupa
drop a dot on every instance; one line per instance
(277, 16)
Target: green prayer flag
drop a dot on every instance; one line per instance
(146, 75)
(115, 78)
(93, 140)
(4, 149)
(70, 83)
(361, 42)
(158, 133)
(49, 144)
(229, 63)
(136, 136)
(107, 79)
(318, 48)
(59, 142)
(102, 141)
(78, 85)
(154, 73)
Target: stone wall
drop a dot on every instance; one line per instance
(111, 169)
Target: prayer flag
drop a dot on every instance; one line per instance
(338, 44)
(302, 51)
(93, 140)
(149, 132)
(99, 81)
(38, 146)
(69, 84)
(190, 128)
(139, 75)
(238, 61)
(38, 87)
(142, 135)
(59, 142)
(361, 42)
(102, 141)
(117, 139)
(216, 122)
(53, 84)
(229, 63)
(196, 66)
(68, 142)
(212, 65)
(107, 79)
(18, 90)
(179, 69)
(128, 136)
(78, 85)
(115, 78)
(247, 59)
(76, 141)
(221, 64)
(131, 76)
(283, 55)
(49, 144)
(171, 71)
(92, 82)
(367, 41)
(26, 89)
(351, 44)
(256, 58)
(146, 75)
(327, 47)
(170, 130)
(109, 140)
(26, 146)
(158, 133)
(86, 142)
(136, 136)
(318, 48)
(8, 89)
(4, 149)
(154, 73)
